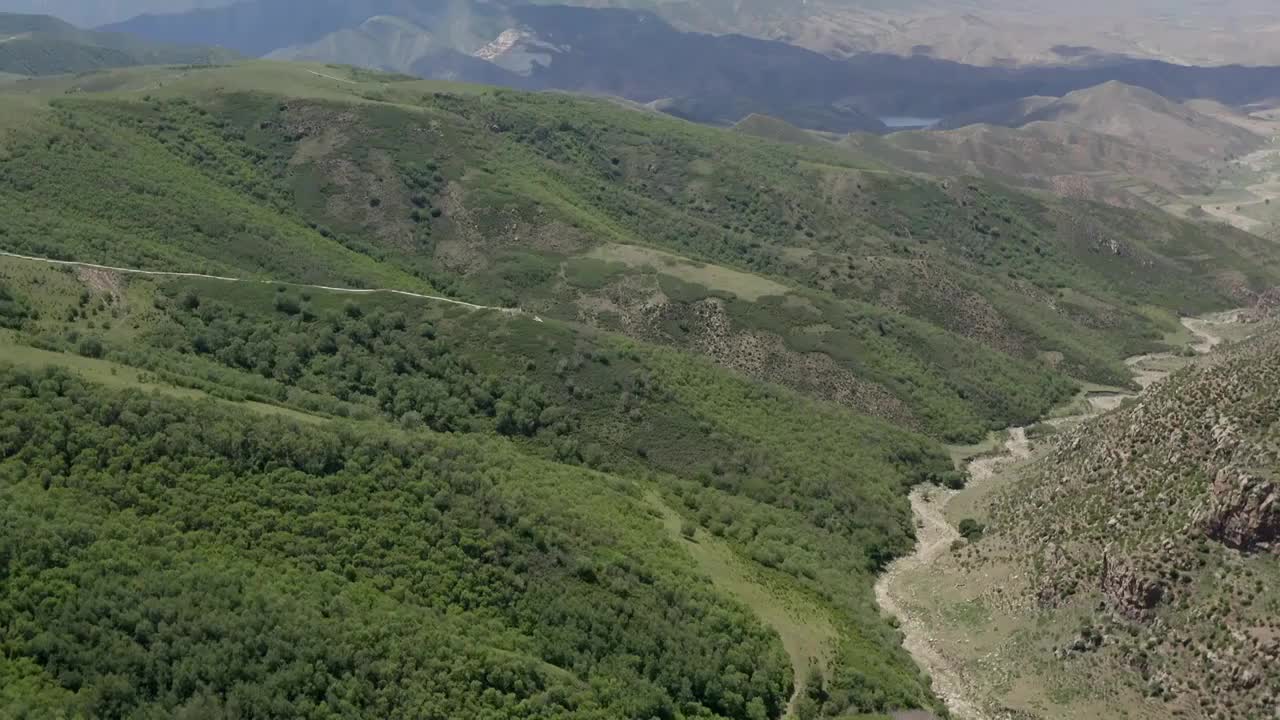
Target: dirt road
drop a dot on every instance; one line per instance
(167, 273)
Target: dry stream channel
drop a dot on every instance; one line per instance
(935, 534)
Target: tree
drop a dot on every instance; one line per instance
(971, 529)
(91, 347)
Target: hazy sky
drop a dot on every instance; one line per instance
(90, 13)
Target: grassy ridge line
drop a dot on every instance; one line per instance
(115, 375)
(354, 291)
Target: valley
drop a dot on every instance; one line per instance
(907, 589)
(638, 359)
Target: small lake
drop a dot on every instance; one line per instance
(907, 122)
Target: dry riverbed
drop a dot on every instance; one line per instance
(935, 533)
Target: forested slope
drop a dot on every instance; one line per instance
(169, 558)
(517, 454)
(950, 305)
(764, 341)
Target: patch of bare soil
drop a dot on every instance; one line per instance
(107, 282)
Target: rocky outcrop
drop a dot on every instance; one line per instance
(1128, 590)
(1265, 305)
(1056, 582)
(1155, 524)
(1243, 511)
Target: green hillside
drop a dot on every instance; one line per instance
(43, 45)
(942, 303)
(660, 485)
(518, 454)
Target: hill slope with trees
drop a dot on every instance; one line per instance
(785, 263)
(761, 340)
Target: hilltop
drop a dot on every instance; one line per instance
(1138, 116)
(643, 54)
(94, 14)
(1109, 143)
(43, 45)
(568, 208)
(980, 32)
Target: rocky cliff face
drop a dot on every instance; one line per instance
(1243, 511)
(1129, 590)
(1160, 523)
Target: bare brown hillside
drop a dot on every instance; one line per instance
(1148, 120)
(1040, 154)
(1002, 32)
(1112, 142)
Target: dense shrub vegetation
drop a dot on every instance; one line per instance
(928, 287)
(465, 524)
(812, 493)
(221, 562)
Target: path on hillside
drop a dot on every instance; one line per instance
(330, 77)
(935, 534)
(351, 291)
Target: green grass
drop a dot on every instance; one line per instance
(102, 372)
(717, 278)
(962, 454)
(115, 375)
(807, 633)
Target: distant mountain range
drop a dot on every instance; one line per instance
(92, 13)
(981, 32)
(1135, 114)
(42, 45)
(630, 54)
(1100, 142)
(640, 56)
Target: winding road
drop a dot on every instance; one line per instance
(351, 291)
(935, 534)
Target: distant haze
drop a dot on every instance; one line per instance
(91, 13)
(977, 32)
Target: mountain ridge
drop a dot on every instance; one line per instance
(702, 73)
(1114, 143)
(43, 45)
